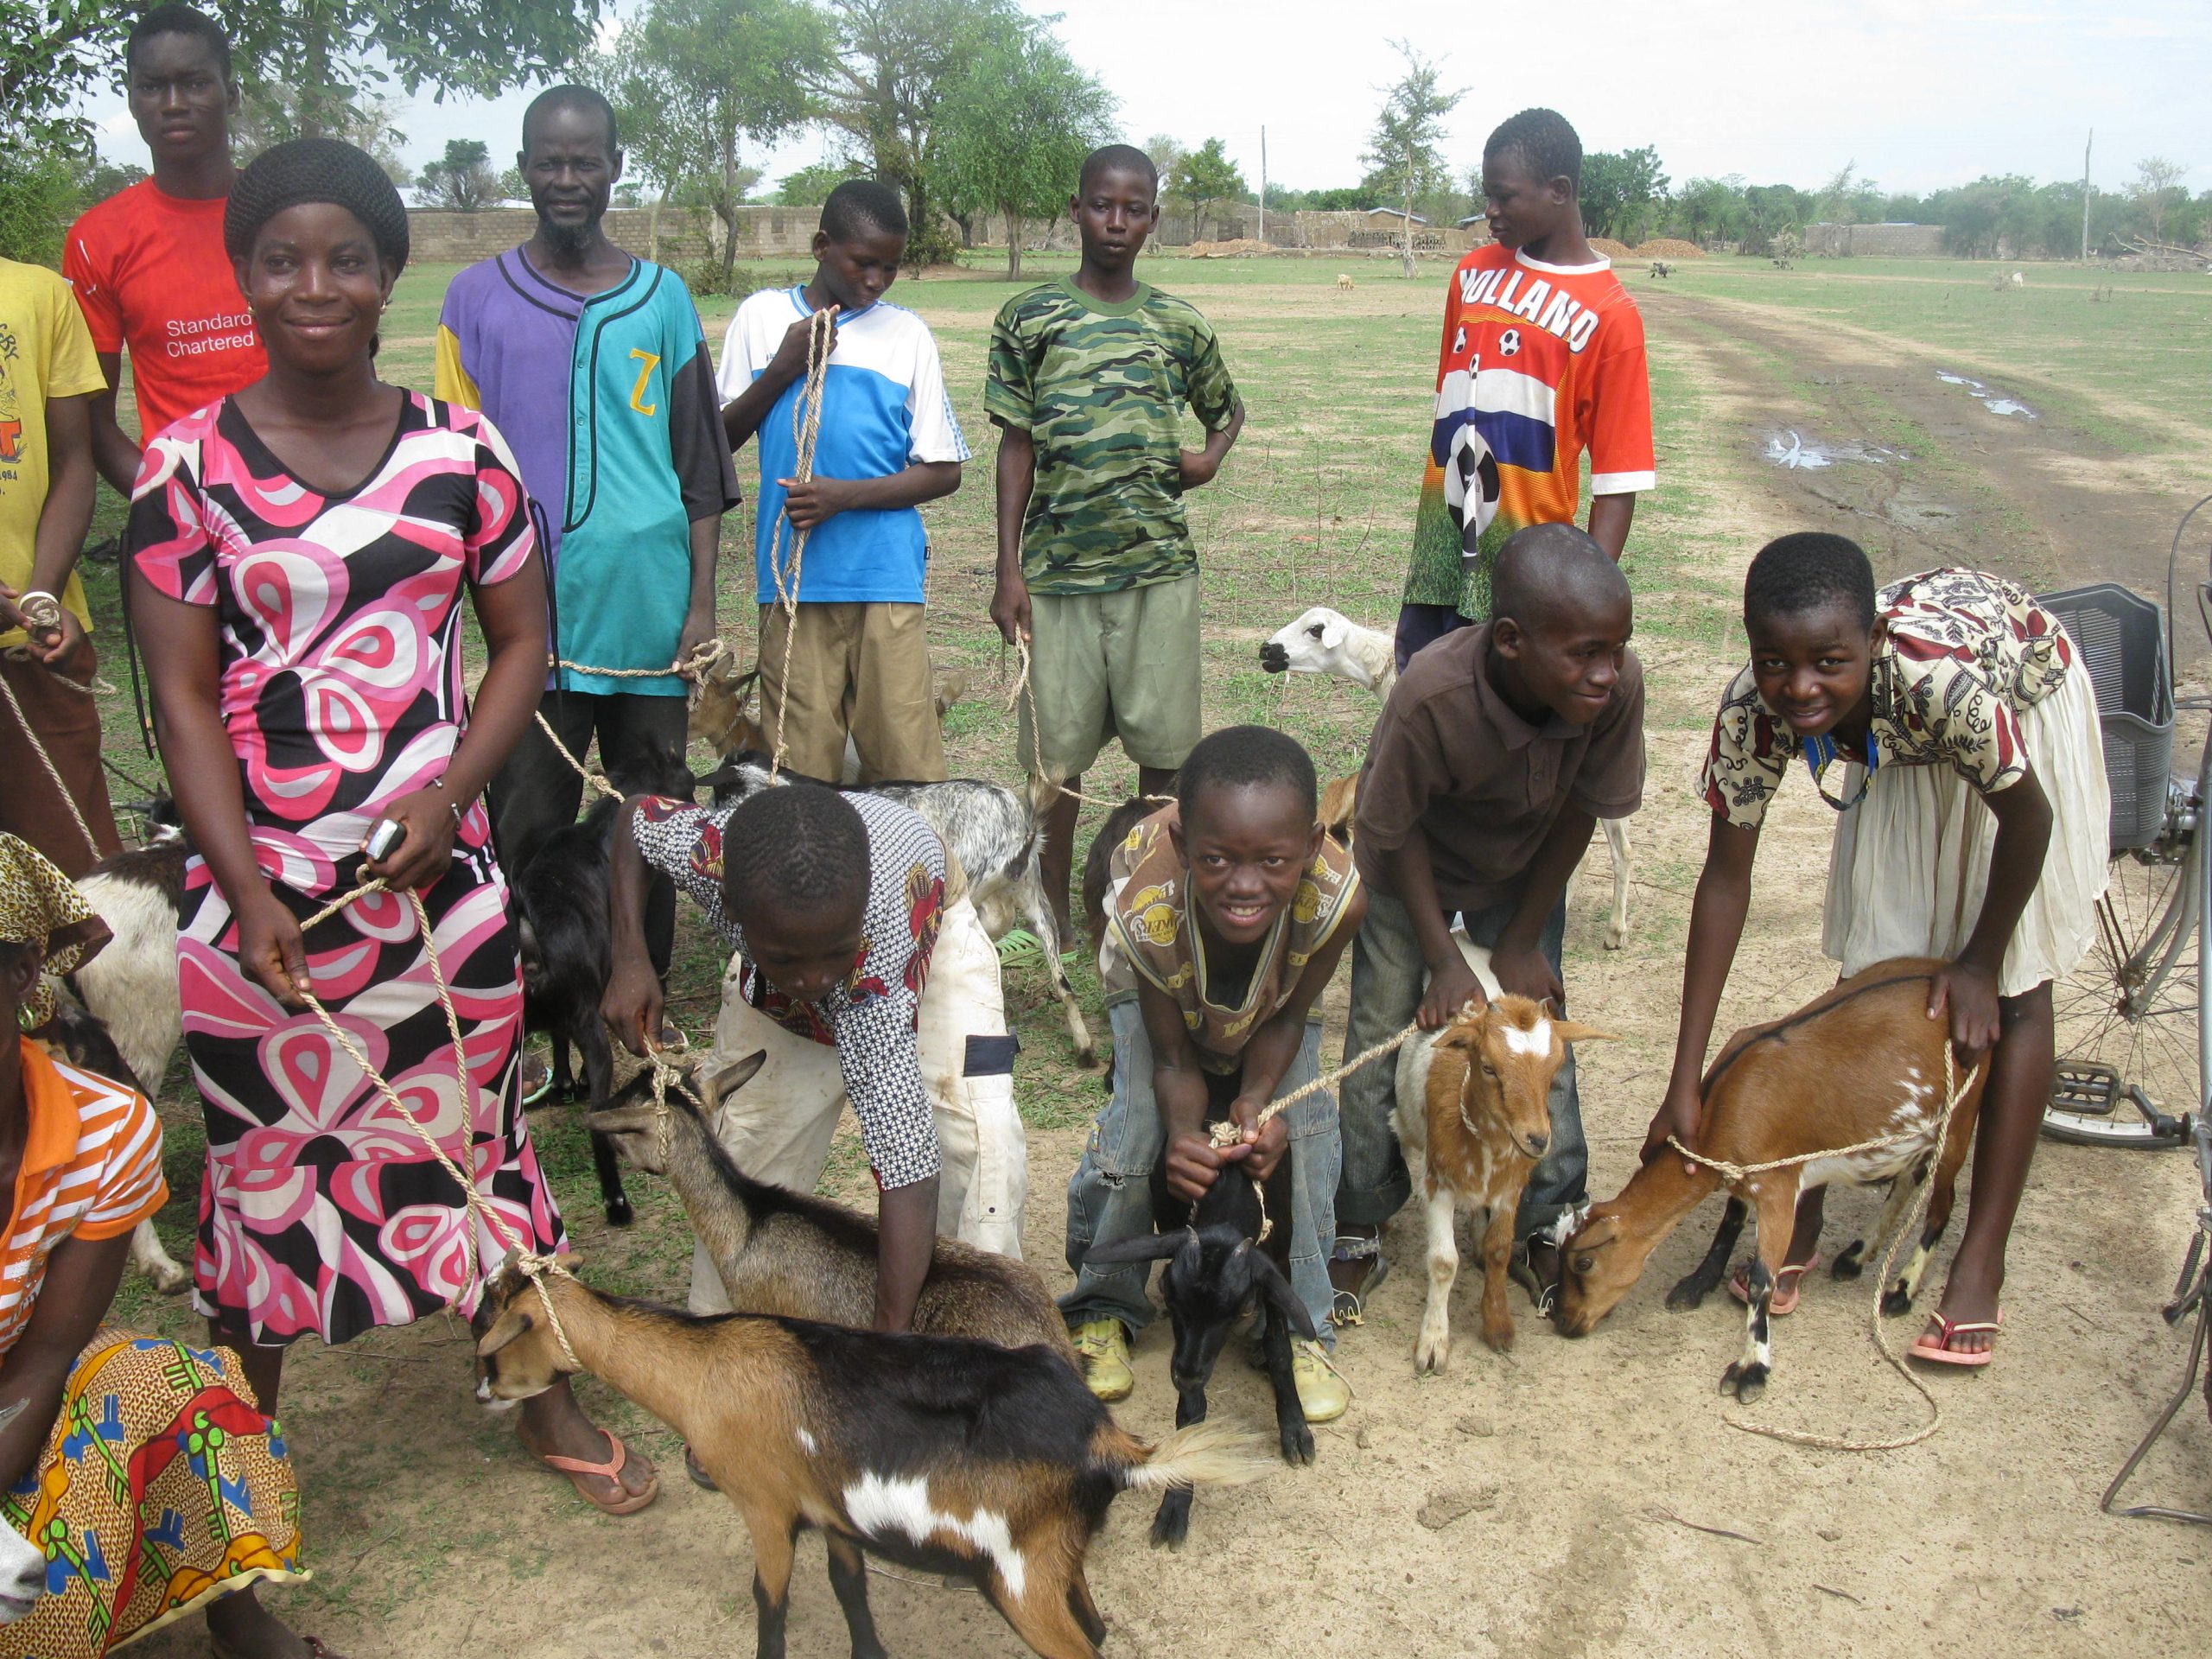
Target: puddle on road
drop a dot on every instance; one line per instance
(1991, 399)
(1791, 450)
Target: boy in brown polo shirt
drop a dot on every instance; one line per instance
(1501, 747)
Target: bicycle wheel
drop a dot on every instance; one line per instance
(2127, 1018)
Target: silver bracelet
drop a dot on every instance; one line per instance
(452, 806)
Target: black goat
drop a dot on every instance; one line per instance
(1214, 1270)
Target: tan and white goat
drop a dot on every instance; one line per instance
(947, 1455)
(1860, 1062)
(1473, 1100)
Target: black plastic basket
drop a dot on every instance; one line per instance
(2121, 637)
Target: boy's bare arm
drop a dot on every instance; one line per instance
(1199, 465)
(1515, 961)
(113, 451)
(1179, 1089)
(1609, 518)
(1016, 477)
(63, 518)
(807, 504)
(1724, 899)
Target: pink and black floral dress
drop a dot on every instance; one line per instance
(342, 690)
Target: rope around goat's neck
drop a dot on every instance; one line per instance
(532, 1264)
(46, 760)
(806, 427)
(1953, 1092)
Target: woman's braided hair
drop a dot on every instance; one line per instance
(316, 171)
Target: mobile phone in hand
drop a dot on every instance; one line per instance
(385, 835)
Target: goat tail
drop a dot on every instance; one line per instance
(1202, 1454)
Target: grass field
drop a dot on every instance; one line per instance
(1314, 507)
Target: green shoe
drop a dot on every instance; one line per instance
(1103, 1347)
(1323, 1394)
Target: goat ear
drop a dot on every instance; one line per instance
(954, 688)
(723, 1081)
(1277, 1290)
(1333, 633)
(506, 1329)
(1461, 1034)
(1142, 1246)
(1574, 1031)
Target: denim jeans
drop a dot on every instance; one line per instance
(1387, 979)
(1109, 1197)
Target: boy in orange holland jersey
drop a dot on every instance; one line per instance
(1542, 359)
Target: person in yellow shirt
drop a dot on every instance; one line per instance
(49, 376)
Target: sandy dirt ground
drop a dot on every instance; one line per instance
(1569, 1499)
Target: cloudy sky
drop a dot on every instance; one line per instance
(1919, 93)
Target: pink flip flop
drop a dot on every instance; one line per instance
(1783, 1302)
(1935, 1346)
(578, 1469)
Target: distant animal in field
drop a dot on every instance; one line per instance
(1660, 268)
(1345, 284)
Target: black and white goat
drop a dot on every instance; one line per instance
(1217, 1267)
(993, 834)
(1324, 642)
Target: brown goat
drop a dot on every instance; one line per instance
(947, 1455)
(1859, 1062)
(795, 1254)
(1473, 1099)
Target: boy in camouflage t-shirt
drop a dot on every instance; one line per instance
(1089, 377)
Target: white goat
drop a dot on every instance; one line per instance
(1324, 642)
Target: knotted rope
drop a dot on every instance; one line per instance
(1736, 1174)
(806, 427)
(533, 1266)
(1227, 1133)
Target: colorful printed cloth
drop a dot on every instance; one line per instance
(872, 1019)
(1100, 389)
(1962, 655)
(1540, 363)
(160, 1489)
(341, 690)
(884, 409)
(1150, 932)
(609, 402)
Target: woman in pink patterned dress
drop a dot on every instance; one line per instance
(299, 552)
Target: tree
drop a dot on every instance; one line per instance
(461, 181)
(2156, 180)
(338, 53)
(1204, 176)
(691, 80)
(514, 187)
(49, 53)
(1407, 130)
(1707, 208)
(1167, 152)
(271, 114)
(1621, 191)
(1016, 129)
(886, 88)
(811, 186)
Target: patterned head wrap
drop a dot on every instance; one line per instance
(315, 169)
(41, 906)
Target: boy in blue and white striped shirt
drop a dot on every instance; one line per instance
(859, 663)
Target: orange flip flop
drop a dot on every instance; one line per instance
(577, 1469)
(1935, 1346)
(1783, 1302)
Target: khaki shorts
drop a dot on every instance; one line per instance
(860, 671)
(1121, 665)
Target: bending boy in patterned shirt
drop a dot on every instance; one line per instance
(1087, 378)
(1542, 359)
(1229, 912)
(863, 979)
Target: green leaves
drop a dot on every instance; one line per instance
(1016, 125)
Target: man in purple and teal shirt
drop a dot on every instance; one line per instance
(592, 365)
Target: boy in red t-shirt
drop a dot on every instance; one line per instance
(147, 263)
(1542, 359)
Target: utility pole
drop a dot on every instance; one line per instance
(1263, 184)
(2085, 195)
